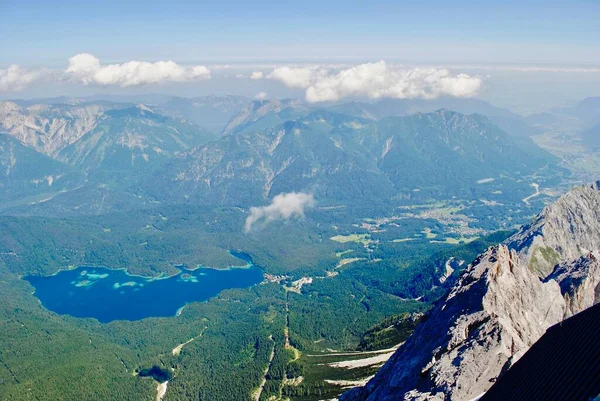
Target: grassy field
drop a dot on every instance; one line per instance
(329, 380)
(456, 241)
(364, 239)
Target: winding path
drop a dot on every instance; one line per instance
(537, 192)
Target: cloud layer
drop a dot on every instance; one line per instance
(376, 80)
(283, 207)
(86, 68)
(329, 82)
(15, 78)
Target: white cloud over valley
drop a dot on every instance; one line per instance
(87, 69)
(376, 80)
(284, 206)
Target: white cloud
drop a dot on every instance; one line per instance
(283, 207)
(376, 80)
(261, 96)
(257, 75)
(14, 78)
(86, 68)
(296, 77)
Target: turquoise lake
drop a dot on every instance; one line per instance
(108, 294)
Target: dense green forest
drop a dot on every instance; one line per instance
(153, 242)
(226, 342)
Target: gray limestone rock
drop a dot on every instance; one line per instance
(500, 306)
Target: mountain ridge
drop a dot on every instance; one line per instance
(25, 172)
(498, 308)
(443, 152)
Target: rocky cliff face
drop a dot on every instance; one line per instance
(564, 231)
(131, 139)
(579, 282)
(500, 306)
(103, 134)
(48, 128)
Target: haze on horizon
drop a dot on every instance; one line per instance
(515, 50)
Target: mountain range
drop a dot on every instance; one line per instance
(344, 154)
(260, 114)
(583, 116)
(131, 138)
(340, 157)
(210, 112)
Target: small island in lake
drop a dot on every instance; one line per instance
(107, 294)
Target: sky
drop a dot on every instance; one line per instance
(507, 44)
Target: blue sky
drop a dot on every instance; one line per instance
(46, 33)
(494, 42)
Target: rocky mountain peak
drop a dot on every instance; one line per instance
(48, 128)
(499, 307)
(8, 107)
(564, 230)
(579, 282)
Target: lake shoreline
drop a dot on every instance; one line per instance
(107, 294)
(163, 276)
